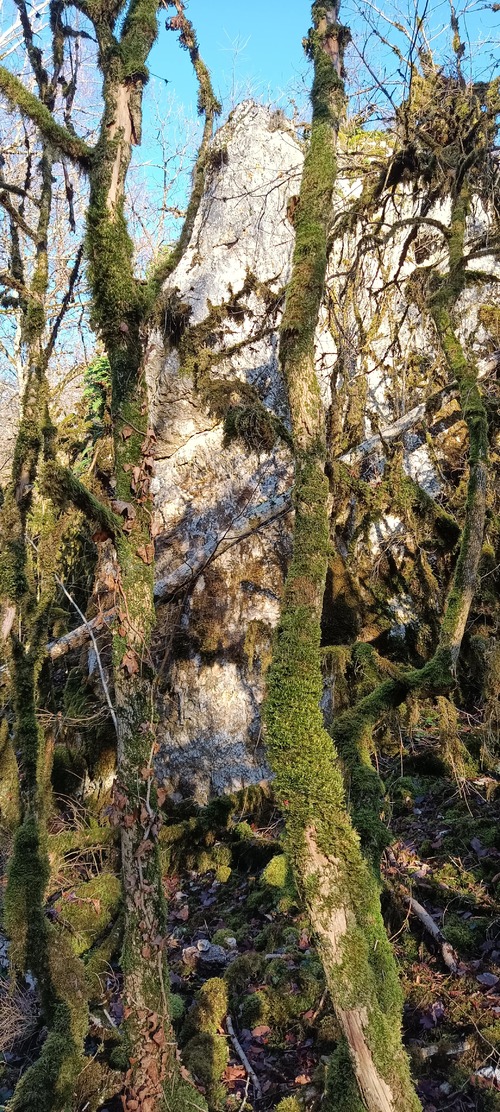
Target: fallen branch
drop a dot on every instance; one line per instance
(391, 432)
(440, 1048)
(79, 636)
(190, 569)
(449, 956)
(96, 650)
(183, 575)
(243, 1058)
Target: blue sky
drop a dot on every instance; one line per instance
(256, 48)
(255, 45)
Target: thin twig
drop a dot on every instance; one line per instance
(245, 1094)
(243, 1058)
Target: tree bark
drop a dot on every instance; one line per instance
(340, 890)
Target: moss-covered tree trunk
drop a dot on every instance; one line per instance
(25, 608)
(340, 889)
(118, 309)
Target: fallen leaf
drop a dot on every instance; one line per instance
(234, 1073)
(127, 432)
(130, 662)
(125, 509)
(488, 979)
(146, 553)
(144, 847)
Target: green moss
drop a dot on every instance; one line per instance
(59, 484)
(99, 959)
(277, 873)
(9, 781)
(210, 1008)
(89, 909)
(244, 831)
(177, 1007)
(47, 1086)
(460, 935)
(27, 877)
(206, 1056)
(30, 105)
(254, 425)
(255, 1009)
(206, 1053)
(178, 1096)
(342, 1093)
(247, 967)
(221, 936)
(276, 1004)
(119, 1058)
(489, 316)
(222, 873)
(289, 1104)
(138, 36)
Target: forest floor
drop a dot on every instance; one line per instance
(252, 1015)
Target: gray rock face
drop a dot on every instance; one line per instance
(234, 274)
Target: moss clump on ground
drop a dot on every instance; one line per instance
(207, 1056)
(277, 873)
(278, 877)
(247, 967)
(9, 781)
(177, 1007)
(206, 1052)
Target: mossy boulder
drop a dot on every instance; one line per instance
(88, 909)
(247, 968)
(209, 1009)
(207, 1056)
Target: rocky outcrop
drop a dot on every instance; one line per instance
(228, 294)
(383, 383)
